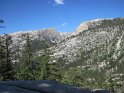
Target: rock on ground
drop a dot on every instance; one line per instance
(41, 86)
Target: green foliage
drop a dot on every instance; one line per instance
(6, 57)
(38, 44)
(92, 74)
(26, 69)
(122, 88)
(44, 68)
(2, 56)
(111, 84)
(108, 23)
(36, 67)
(55, 72)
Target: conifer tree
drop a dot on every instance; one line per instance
(44, 59)
(7, 57)
(55, 72)
(44, 68)
(47, 70)
(2, 56)
(26, 69)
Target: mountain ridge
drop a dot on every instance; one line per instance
(93, 31)
(94, 52)
(91, 36)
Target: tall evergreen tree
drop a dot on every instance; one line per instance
(2, 57)
(26, 69)
(55, 72)
(47, 70)
(44, 68)
(44, 59)
(7, 57)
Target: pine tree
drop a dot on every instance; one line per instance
(25, 71)
(7, 57)
(47, 70)
(55, 72)
(44, 67)
(2, 56)
(111, 84)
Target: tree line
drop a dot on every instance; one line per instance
(29, 66)
(38, 67)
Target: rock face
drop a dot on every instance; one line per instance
(91, 24)
(86, 37)
(89, 35)
(39, 86)
(46, 34)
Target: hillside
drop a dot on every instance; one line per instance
(92, 56)
(96, 47)
(98, 32)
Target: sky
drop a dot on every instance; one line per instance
(63, 15)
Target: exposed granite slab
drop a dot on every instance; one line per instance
(41, 86)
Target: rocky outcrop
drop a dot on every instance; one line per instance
(90, 24)
(50, 35)
(39, 86)
(89, 35)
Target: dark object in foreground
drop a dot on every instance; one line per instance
(42, 86)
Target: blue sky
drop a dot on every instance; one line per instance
(64, 15)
